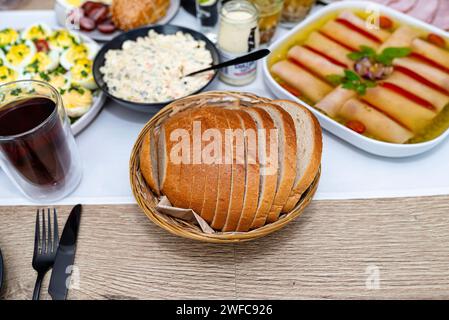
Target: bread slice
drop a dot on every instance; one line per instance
(170, 169)
(224, 173)
(200, 120)
(149, 161)
(309, 149)
(252, 172)
(287, 157)
(236, 134)
(211, 178)
(268, 176)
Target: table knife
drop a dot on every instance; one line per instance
(65, 256)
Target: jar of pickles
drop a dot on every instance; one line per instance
(238, 34)
(295, 11)
(269, 17)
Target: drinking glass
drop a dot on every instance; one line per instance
(295, 11)
(37, 148)
(207, 15)
(269, 16)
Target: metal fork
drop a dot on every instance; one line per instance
(45, 246)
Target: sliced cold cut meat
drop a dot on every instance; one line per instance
(403, 5)
(442, 18)
(87, 24)
(107, 27)
(424, 10)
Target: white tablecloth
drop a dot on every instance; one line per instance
(348, 173)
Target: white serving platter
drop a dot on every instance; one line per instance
(61, 10)
(370, 145)
(99, 99)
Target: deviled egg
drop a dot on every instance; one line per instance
(8, 37)
(2, 58)
(81, 51)
(43, 62)
(57, 80)
(7, 74)
(61, 40)
(20, 55)
(77, 101)
(36, 31)
(81, 74)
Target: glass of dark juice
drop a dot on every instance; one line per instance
(37, 148)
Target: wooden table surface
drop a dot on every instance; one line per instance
(381, 248)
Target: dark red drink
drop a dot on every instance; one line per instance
(40, 153)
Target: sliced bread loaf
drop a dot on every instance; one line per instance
(287, 157)
(268, 163)
(309, 148)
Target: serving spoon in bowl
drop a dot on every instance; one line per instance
(253, 56)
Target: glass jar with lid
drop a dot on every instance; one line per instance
(295, 11)
(238, 35)
(269, 17)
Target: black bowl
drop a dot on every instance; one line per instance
(117, 43)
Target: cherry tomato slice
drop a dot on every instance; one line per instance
(436, 40)
(385, 22)
(290, 89)
(42, 45)
(356, 126)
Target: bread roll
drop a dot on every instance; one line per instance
(322, 44)
(314, 62)
(406, 112)
(347, 36)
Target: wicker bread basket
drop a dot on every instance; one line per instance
(147, 200)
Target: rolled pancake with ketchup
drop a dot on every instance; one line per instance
(347, 36)
(380, 34)
(403, 110)
(330, 48)
(309, 85)
(314, 62)
(436, 98)
(332, 103)
(431, 52)
(377, 123)
(432, 74)
(401, 38)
